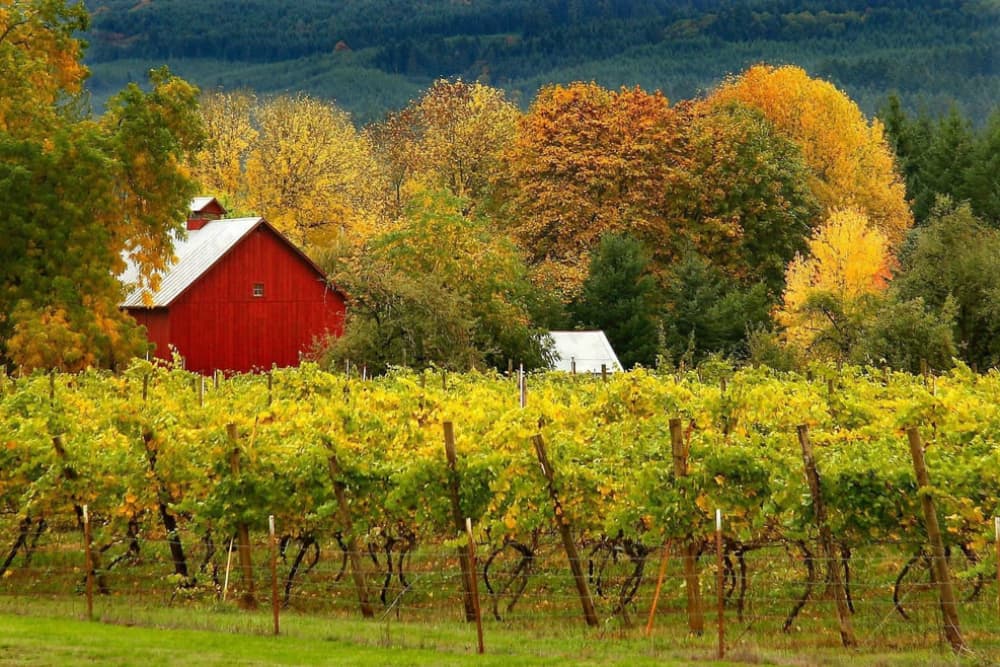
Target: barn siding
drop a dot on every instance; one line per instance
(157, 323)
(218, 323)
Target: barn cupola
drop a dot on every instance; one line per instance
(202, 211)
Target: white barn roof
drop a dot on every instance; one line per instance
(589, 349)
(195, 255)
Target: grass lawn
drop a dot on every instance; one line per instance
(44, 634)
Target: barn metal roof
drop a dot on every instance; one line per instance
(589, 349)
(199, 203)
(195, 255)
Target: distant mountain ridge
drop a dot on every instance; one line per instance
(371, 56)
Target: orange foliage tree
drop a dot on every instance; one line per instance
(851, 162)
(585, 162)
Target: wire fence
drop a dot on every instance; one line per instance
(774, 595)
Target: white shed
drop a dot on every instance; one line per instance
(587, 349)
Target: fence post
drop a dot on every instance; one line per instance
(473, 574)
(939, 566)
(522, 387)
(720, 584)
(833, 577)
(89, 564)
(689, 550)
(996, 530)
(353, 551)
(566, 532)
(468, 577)
(242, 529)
(274, 570)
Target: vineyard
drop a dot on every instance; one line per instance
(592, 500)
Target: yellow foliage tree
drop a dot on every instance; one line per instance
(308, 171)
(39, 59)
(297, 161)
(851, 162)
(450, 139)
(828, 292)
(229, 127)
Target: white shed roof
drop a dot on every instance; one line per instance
(589, 349)
(199, 203)
(195, 255)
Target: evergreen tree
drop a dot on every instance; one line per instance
(617, 297)
(982, 177)
(707, 312)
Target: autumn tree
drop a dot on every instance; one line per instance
(230, 132)
(40, 61)
(586, 162)
(829, 292)
(80, 194)
(850, 161)
(450, 139)
(297, 161)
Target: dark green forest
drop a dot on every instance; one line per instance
(371, 56)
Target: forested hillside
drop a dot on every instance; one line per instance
(374, 55)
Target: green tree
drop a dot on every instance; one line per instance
(945, 163)
(617, 297)
(901, 334)
(982, 177)
(749, 182)
(440, 288)
(706, 312)
(953, 264)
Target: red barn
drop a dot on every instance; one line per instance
(239, 297)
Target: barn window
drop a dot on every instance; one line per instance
(258, 289)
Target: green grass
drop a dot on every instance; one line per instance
(40, 632)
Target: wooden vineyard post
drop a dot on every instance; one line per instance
(201, 393)
(689, 550)
(720, 583)
(468, 578)
(566, 532)
(604, 372)
(353, 549)
(996, 535)
(89, 563)
(664, 557)
(939, 566)
(145, 387)
(833, 574)
(473, 576)
(274, 570)
(572, 365)
(270, 386)
(522, 387)
(242, 529)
